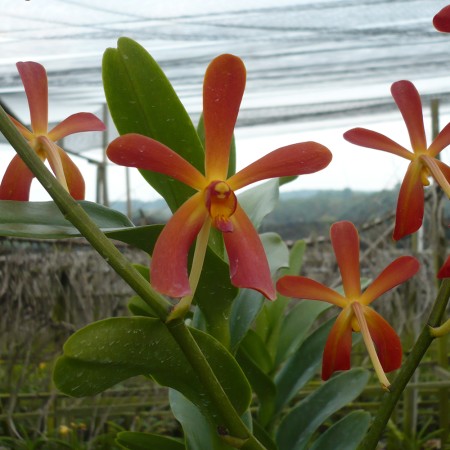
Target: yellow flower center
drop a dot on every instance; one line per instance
(221, 203)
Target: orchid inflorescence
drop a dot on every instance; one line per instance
(215, 205)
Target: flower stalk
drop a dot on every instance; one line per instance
(396, 389)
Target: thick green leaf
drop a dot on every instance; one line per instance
(214, 296)
(143, 237)
(253, 345)
(298, 426)
(261, 383)
(112, 350)
(346, 434)
(145, 441)
(45, 221)
(248, 304)
(302, 366)
(295, 327)
(198, 432)
(260, 200)
(270, 321)
(263, 436)
(142, 100)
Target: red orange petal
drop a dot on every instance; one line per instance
(444, 271)
(248, 261)
(16, 181)
(223, 89)
(168, 268)
(410, 204)
(397, 272)
(345, 240)
(135, 150)
(441, 20)
(24, 131)
(76, 123)
(408, 101)
(336, 355)
(305, 288)
(441, 141)
(74, 179)
(372, 139)
(387, 342)
(34, 79)
(295, 159)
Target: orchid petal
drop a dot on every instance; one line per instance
(441, 20)
(74, 179)
(24, 131)
(408, 101)
(223, 89)
(134, 150)
(34, 79)
(168, 269)
(345, 241)
(397, 272)
(387, 342)
(336, 355)
(54, 159)
(440, 172)
(441, 141)
(305, 288)
(16, 181)
(410, 204)
(372, 139)
(295, 159)
(444, 271)
(248, 261)
(76, 123)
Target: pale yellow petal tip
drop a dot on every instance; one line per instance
(442, 330)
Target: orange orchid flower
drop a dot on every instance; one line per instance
(17, 179)
(382, 342)
(441, 20)
(410, 204)
(214, 203)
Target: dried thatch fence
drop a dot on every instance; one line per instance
(48, 289)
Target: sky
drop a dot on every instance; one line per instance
(305, 60)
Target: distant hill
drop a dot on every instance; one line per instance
(299, 214)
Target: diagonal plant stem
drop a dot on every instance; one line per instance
(75, 214)
(391, 398)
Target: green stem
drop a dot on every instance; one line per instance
(235, 427)
(391, 398)
(77, 216)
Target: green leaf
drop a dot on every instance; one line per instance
(248, 304)
(302, 366)
(142, 100)
(145, 441)
(270, 321)
(143, 237)
(262, 384)
(198, 432)
(43, 220)
(104, 353)
(299, 424)
(214, 296)
(346, 434)
(263, 436)
(295, 327)
(259, 201)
